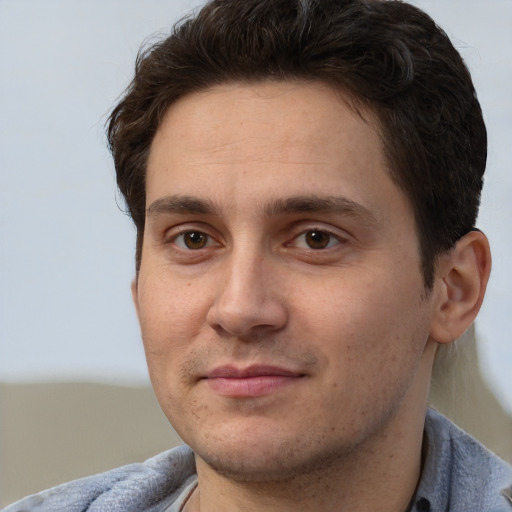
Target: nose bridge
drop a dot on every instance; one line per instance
(245, 272)
(248, 296)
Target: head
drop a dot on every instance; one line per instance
(386, 57)
(304, 178)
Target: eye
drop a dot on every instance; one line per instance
(316, 239)
(193, 240)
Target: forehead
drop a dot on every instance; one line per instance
(288, 128)
(247, 143)
(255, 102)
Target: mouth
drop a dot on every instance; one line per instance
(252, 381)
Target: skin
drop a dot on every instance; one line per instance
(275, 238)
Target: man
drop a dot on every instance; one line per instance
(305, 178)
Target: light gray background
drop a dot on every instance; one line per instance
(66, 250)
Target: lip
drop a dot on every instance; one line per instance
(252, 381)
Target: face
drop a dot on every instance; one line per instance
(280, 295)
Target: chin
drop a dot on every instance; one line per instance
(264, 456)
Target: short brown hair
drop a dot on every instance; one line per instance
(388, 55)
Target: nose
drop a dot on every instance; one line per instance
(248, 303)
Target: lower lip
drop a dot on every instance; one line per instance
(249, 386)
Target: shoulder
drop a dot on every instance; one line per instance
(149, 486)
(462, 471)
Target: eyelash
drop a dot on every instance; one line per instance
(325, 241)
(174, 239)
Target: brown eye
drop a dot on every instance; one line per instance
(316, 239)
(192, 240)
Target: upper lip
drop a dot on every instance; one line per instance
(256, 370)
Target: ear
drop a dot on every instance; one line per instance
(135, 295)
(460, 282)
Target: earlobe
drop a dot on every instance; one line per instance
(461, 280)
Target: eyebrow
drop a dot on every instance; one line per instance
(185, 204)
(327, 205)
(181, 204)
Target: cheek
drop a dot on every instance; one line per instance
(371, 349)
(363, 323)
(171, 316)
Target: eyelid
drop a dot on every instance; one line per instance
(333, 241)
(209, 240)
(171, 234)
(337, 234)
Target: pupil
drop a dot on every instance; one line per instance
(195, 240)
(317, 239)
